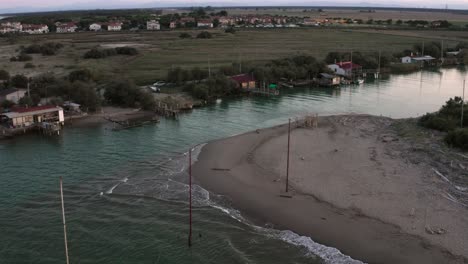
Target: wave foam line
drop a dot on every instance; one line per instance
(329, 255)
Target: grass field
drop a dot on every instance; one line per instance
(159, 51)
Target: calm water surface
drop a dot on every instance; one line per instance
(125, 191)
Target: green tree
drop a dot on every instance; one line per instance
(4, 75)
(185, 35)
(204, 35)
(84, 75)
(19, 81)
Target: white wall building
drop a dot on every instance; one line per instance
(95, 27)
(66, 27)
(406, 60)
(115, 26)
(153, 25)
(35, 29)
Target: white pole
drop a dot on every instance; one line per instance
(63, 218)
(463, 102)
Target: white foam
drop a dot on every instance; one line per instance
(112, 189)
(330, 255)
(125, 180)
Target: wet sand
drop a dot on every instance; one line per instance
(354, 186)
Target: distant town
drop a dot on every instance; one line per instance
(201, 19)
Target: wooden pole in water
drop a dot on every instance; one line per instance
(463, 102)
(287, 162)
(64, 223)
(190, 198)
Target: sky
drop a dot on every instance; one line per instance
(47, 5)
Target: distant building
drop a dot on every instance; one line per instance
(33, 116)
(10, 27)
(172, 25)
(114, 26)
(69, 27)
(406, 60)
(329, 80)
(347, 69)
(153, 25)
(13, 95)
(35, 29)
(183, 21)
(95, 27)
(244, 81)
(205, 23)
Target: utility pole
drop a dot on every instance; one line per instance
(287, 162)
(190, 198)
(380, 59)
(422, 55)
(209, 68)
(29, 92)
(463, 102)
(63, 219)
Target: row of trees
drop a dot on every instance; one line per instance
(79, 86)
(96, 53)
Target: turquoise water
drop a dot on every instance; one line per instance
(125, 191)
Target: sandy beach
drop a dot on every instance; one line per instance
(369, 186)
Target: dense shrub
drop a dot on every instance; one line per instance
(212, 88)
(19, 81)
(84, 75)
(96, 53)
(29, 66)
(126, 51)
(47, 49)
(437, 122)
(458, 138)
(185, 35)
(4, 75)
(24, 57)
(204, 35)
(126, 93)
(230, 30)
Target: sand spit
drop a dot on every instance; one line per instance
(378, 189)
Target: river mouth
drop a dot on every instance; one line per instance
(129, 228)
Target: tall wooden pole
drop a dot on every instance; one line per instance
(287, 162)
(463, 103)
(190, 198)
(64, 223)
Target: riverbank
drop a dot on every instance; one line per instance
(363, 184)
(99, 118)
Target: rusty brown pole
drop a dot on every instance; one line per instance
(287, 162)
(63, 218)
(190, 198)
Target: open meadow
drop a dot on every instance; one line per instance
(163, 50)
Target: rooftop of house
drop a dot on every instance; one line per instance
(8, 91)
(348, 65)
(66, 25)
(28, 111)
(243, 78)
(114, 24)
(205, 21)
(33, 26)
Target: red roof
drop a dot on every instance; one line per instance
(347, 65)
(32, 109)
(114, 24)
(243, 78)
(205, 21)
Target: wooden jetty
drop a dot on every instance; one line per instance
(167, 110)
(132, 120)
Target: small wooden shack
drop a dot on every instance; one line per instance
(245, 81)
(329, 80)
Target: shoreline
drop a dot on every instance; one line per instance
(376, 228)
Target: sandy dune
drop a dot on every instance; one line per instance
(355, 187)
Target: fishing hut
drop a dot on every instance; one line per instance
(47, 119)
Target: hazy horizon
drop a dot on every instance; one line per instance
(6, 6)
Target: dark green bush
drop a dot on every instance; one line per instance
(437, 122)
(185, 35)
(29, 66)
(126, 51)
(204, 35)
(458, 138)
